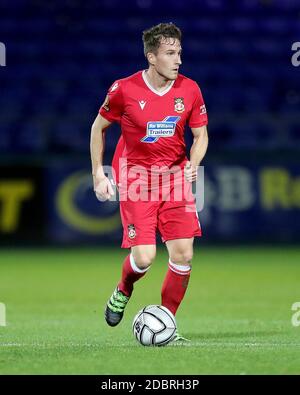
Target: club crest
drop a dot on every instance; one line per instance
(131, 231)
(178, 104)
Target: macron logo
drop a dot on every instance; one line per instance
(114, 87)
(142, 104)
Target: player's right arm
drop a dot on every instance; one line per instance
(110, 111)
(102, 185)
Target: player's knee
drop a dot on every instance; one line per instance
(187, 258)
(144, 260)
(182, 258)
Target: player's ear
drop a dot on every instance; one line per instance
(151, 58)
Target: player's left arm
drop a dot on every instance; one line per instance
(197, 153)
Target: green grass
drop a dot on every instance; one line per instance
(237, 313)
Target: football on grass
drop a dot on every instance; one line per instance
(154, 325)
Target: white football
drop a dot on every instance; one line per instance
(154, 325)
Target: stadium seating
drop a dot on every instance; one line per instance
(62, 57)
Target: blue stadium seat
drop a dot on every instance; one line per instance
(63, 56)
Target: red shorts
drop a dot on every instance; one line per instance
(175, 217)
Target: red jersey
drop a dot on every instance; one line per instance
(152, 122)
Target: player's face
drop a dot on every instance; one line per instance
(168, 58)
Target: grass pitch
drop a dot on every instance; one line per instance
(237, 313)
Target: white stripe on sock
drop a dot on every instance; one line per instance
(179, 269)
(134, 266)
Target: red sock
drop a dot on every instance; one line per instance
(174, 286)
(130, 274)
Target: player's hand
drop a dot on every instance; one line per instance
(190, 172)
(103, 188)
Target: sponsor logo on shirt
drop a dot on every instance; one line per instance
(157, 129)
(178, 104)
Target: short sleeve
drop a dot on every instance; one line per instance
(112, 108)
(198, 115)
